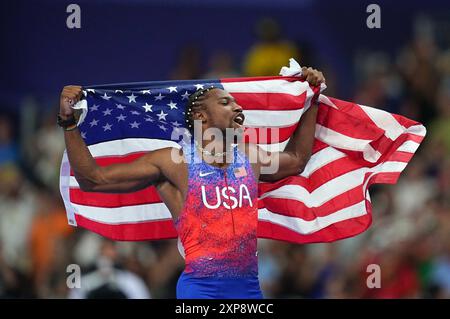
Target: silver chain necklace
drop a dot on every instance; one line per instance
(206, 152)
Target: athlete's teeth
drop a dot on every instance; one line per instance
(239, 119)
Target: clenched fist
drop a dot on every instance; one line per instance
(70, 95)
(313, 76)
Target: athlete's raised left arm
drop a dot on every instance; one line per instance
(292, 161)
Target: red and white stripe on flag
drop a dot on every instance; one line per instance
(355, 147)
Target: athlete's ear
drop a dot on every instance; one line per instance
(199, 115)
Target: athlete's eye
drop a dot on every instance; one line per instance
(224, 102)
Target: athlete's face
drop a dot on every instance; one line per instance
(222, 111)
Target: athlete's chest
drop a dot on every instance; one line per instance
(197, 183)
(215, 188)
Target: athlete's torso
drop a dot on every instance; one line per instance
(218, 221)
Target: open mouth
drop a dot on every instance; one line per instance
(239, 119)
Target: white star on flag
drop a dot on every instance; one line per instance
(199, 86)
(120, 106)
(94, 122)
(172, 105)
(135, 124)
(107, 127)
(94, 108)
(172, 89)
(83, 135)
(131, 98)
(146, 92)
(147, 107)
(106, 97)
(159, 97)
(121, 117)
(185, 95)
(162, 127)
(107, 112)
(135, 112)
(176, 124)
(162, 115)
(118, 91)
(148, 119)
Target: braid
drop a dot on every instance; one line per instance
(194, 103)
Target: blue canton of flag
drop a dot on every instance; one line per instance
(138, 110)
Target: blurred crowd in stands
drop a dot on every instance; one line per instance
(409, 238)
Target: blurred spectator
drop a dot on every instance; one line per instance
(13, 283)
(270, 261)
(399, 278)
(188, 64)
(298, 273)
(417, 66)
(17, 203)
(440, 126)
(414, 189)
(108, 280)
(49, 229)
(440, 276)
(378, 86)
(270, 52)
(221, 65)
(47, 149)
(164, 272)
(8, 146)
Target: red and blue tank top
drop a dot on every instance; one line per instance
(217, 226)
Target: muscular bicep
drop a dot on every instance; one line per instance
(274, 166)
(125, 177)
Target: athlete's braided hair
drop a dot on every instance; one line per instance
(195, 102)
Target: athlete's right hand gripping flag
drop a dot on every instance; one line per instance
(355, 146)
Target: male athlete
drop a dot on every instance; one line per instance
(212, 196)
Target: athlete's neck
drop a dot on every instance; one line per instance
(215, 152)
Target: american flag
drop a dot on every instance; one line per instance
(240, 172)
(355, 146)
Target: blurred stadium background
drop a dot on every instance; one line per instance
(404, 68)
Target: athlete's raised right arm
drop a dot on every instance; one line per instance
(112, 178)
